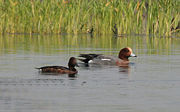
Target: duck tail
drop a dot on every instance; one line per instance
(88, 57)
(84, 60)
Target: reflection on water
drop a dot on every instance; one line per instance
(150, 82)
(57, 44)
(124, 69)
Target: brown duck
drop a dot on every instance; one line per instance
(61, 69)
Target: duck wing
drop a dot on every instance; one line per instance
(53, 67)
(99, 59)
(105, 60)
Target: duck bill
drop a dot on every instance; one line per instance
(133, 55)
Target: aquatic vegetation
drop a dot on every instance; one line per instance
(160, 17)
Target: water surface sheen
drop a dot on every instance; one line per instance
(150, 84)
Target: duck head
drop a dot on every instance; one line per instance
(72, 63)
(125, 53)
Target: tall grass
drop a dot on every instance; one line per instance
(78, 16)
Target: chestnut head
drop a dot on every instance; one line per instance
(125, 53)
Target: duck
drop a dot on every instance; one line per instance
(101, 59)
(61, 69)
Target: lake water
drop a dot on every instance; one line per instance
(150, 84)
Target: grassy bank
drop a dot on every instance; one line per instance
(100, 16)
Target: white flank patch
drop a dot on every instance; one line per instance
(90, 61)
(106, 59)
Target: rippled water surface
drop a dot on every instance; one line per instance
(149, 84)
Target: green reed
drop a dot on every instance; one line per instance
(79, 16)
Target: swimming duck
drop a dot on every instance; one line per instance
(123, 58)
(61, 69)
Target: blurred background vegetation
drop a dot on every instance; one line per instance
(160, 17)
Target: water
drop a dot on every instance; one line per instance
(150, 84)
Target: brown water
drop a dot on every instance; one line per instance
(150, 84)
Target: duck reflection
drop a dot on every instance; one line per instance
(124, 69)
(72, 75)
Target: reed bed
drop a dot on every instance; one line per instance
(118, 17)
